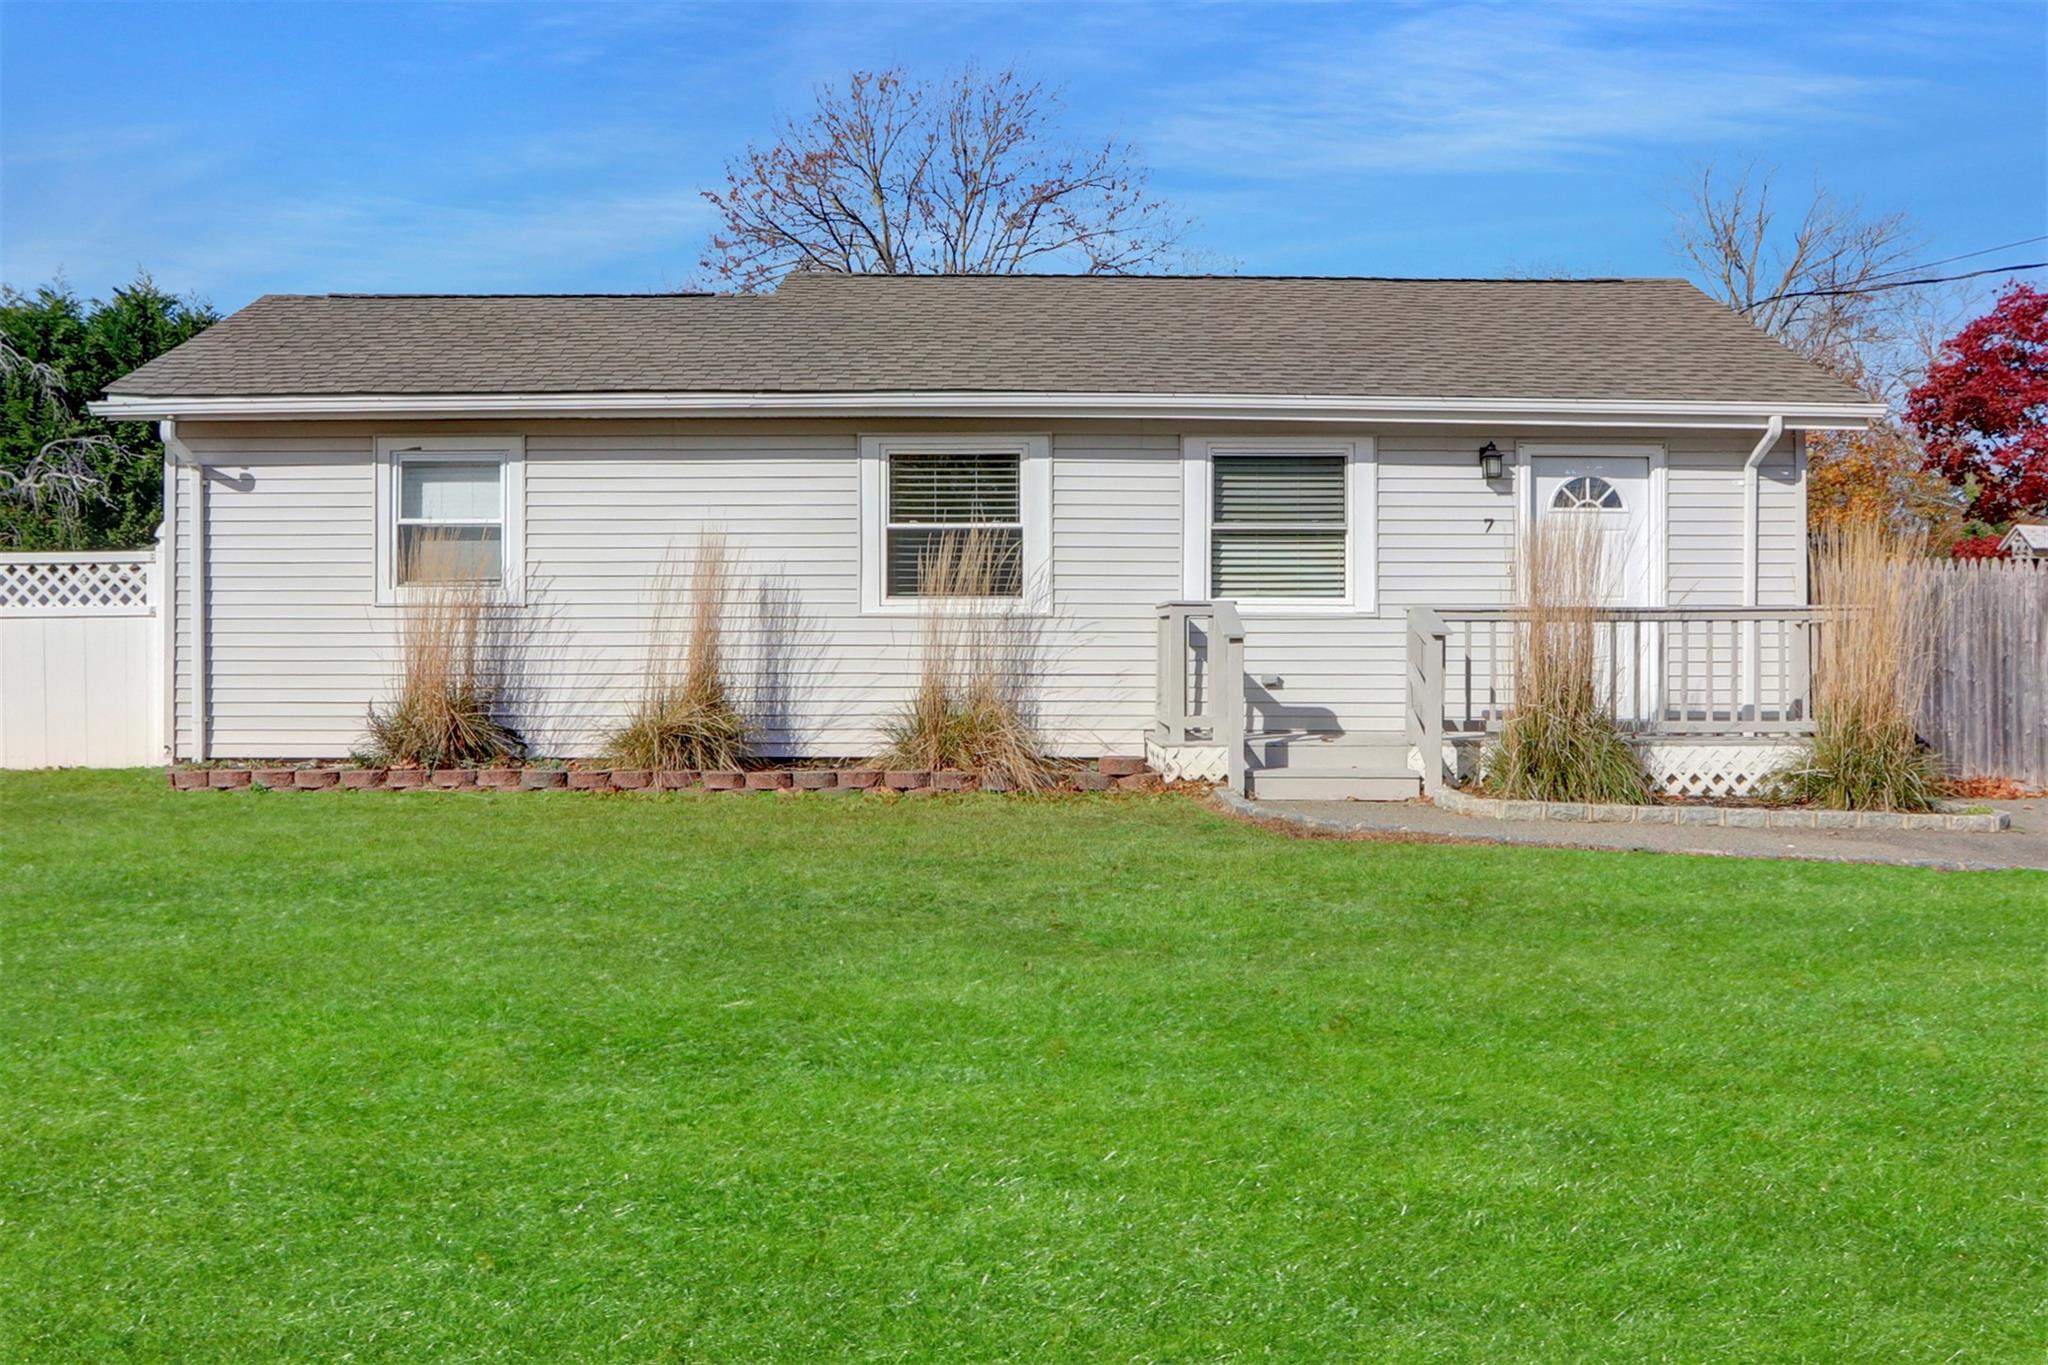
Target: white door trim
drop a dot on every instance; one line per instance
(1653, 451)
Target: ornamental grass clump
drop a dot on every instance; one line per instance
(452, 687)
(685, 717)
(1870, 668)
(1559, 740)
(970, 710)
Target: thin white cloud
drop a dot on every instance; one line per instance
(1486, 89)
(347, 241)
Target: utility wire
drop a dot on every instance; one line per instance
(1895, 284)
(1947, 260)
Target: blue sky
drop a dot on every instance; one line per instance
(235, 150)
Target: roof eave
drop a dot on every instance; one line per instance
(1220, 407)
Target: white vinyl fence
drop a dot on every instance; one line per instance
(81, 660)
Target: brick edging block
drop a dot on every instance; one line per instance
(901, 781)
(1728, 817)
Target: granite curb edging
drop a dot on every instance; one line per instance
(1730, 817)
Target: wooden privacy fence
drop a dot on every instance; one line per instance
(1986, 709)
(81, 660)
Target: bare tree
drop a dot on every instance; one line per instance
(1783, 270)
(1827, 279)
(901, 178)
(61, 480)
(45, 383)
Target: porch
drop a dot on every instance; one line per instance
(1711, 697)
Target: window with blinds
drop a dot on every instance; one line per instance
(1278, 527)
(945, 506)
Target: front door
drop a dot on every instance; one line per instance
(1613, 491)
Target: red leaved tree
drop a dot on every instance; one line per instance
(891, 177)
(1982, 411)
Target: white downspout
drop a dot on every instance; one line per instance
(167, 588)
(177, 457)
(1752, 574)
(1752, 565)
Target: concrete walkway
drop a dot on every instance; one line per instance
(2024, 845)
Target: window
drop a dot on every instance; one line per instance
(1282, 523)
(1279, 528)
(449, 507)
(941, 502)
(451, 521)
(1587, 493)
(920, 493)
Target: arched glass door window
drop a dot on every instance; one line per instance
(1587, 493)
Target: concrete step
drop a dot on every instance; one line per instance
(1313, 766)
(1326, 751)
(1334, 784)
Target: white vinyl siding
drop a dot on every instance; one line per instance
(296, 646)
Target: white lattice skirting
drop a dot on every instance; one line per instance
(1698, 769)
(1708, 769)
(1186, 762)
(75, 585)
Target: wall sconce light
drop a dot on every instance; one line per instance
(1490, 461)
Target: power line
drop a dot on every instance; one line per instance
(1947, 260)
(1895, 284)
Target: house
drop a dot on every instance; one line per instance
(1341, 464)
(2028, 543)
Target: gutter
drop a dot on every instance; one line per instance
(1035, 405)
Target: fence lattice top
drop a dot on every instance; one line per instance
(73, 585)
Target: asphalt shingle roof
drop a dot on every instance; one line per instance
(1643, 339)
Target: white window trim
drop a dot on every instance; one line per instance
(393, 452)
(1659, 495)
(1034, 492)
(1361, 519)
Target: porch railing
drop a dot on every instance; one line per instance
(1727, 672)
(1200, 692)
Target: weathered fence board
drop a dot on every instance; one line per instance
(1986, 708)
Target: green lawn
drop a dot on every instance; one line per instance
(745, 1077)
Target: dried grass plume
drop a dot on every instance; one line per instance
(970, 710)
(452, 685)
(685, 717)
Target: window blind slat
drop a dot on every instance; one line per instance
(949, 492)
(1266, 539)
(1285, 488)
(908, 550)
(954, 489)
(1277, 563)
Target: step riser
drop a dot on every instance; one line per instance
(1282, 785)
(1331, 758)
